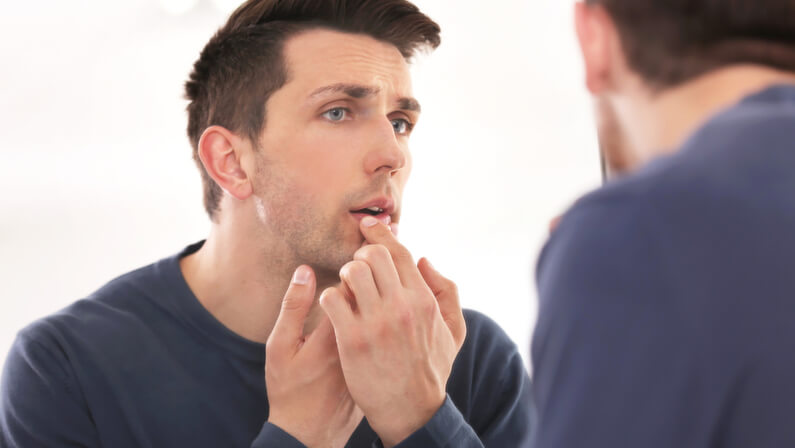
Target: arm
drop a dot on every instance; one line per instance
(614, 366)
(41, 403)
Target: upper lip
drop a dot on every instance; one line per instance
(385, 203)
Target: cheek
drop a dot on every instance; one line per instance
(403, 175)
(323, 175)
(409, 164)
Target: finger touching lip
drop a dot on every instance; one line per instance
(384, 218)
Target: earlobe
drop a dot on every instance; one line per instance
(219, 152)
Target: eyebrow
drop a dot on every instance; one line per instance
(359, 91)
(409, 104)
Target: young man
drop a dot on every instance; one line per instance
(300, 114)
(667, 296)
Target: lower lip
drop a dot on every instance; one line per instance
(383, 217)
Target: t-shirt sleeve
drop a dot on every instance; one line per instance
(447, 428)
(40, 402)
(498, 410)
(612, 362)
(501, 410)
(272, 436)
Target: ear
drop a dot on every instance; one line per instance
(220, 152)
(596, 34)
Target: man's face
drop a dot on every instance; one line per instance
(335, 144)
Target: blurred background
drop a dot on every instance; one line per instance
(96, 176)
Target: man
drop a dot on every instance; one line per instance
(300, 114)
(667, 296)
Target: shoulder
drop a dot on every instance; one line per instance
(484, 336)
(599, 232)
(767, 117)
(609, 258)
(486, 347)
(99, 320)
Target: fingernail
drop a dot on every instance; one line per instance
(369, 221)
(430, 265)
(394, 228)
(302, 275)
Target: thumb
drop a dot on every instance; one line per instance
(289, 328)
(446, 293)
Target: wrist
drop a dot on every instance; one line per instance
(402, 425)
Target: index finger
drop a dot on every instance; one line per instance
(375, 232)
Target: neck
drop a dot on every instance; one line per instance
(659, 123)
(242, 284)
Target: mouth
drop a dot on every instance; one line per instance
(382, 209)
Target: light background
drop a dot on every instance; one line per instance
(96, 176)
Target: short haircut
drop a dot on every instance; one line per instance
(669, 42)
(243, 64)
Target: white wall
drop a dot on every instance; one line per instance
(96, 176)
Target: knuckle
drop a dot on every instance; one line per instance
(402, 255)
(272, 349)
(291, 303)
(373, 253)
(359, 270)
(383, 331)
(355, 270)
(428, 308)
(405, 317)
(333, 293)
(357, 341)
(451, 286)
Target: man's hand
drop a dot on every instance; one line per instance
(398, 340)
(306, 389)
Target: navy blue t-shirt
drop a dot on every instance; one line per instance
(141, 363)
(667, 299)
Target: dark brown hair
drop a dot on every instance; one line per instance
(669, 42)
(242, 65)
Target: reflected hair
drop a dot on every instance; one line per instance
(673, 41)
(243, 64)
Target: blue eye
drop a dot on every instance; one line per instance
(402, 126)
(336, 114)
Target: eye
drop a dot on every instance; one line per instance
(337, 114)
(402, 126)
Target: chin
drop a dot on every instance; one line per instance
(333, 259)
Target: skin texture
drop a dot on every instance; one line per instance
(400, 326)
(637, 123)
(314, 171)
(303, 375)
(287, 198)
(335, 140)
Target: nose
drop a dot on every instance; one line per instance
(386, 153)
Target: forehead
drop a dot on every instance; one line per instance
(321, 57)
